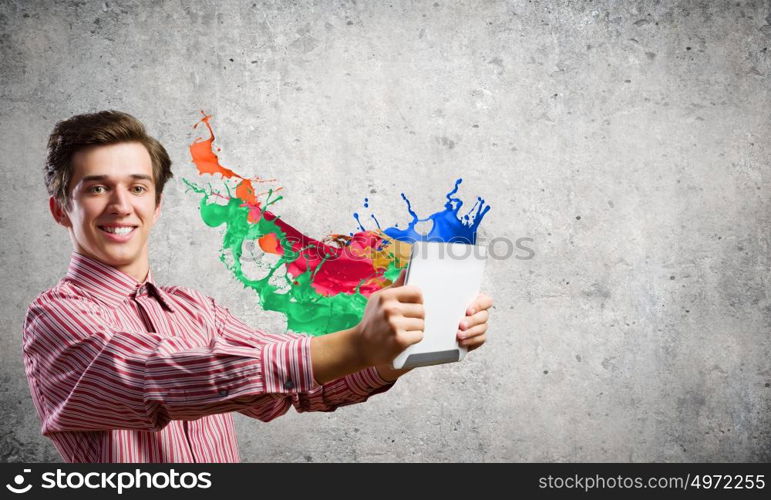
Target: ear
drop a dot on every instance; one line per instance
(157, 212)
(58, 213)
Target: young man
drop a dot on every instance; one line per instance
(122, 369)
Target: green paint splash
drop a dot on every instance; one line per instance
(306, 310)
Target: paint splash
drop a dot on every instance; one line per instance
(321, 286)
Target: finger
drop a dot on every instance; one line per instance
(474, 343)
(409, 337)
(408, 293)
(476, 319)
(472, 332)
(411, 310)
(480, 303)
(411, 324)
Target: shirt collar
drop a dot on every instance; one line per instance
(109, 285)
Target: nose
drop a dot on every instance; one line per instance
(120, 201)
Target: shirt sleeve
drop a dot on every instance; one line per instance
(282, 370)
(85, 374)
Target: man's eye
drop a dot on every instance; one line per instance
(96, 189)
(139, 189)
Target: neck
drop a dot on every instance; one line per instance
(137, 269)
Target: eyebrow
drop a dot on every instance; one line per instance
(90, 178)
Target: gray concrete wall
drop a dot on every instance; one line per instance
(630, 140)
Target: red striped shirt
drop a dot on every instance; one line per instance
(122, 371)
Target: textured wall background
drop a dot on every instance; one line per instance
(630, 140)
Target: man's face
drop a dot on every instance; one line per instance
(113, 205)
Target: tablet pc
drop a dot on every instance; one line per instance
(449, 275)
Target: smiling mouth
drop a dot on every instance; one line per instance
(118, 230)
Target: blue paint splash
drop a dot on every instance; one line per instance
(448, 225)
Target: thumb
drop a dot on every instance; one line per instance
(400, 280)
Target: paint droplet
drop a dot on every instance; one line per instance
(671, 277)
(546, 372)
(578, 217)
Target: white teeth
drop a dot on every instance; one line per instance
(118, 230)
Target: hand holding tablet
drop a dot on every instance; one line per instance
(449, 276)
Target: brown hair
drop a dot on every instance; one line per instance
(98, 129)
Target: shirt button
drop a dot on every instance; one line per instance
(288, 385)
(223, 392)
